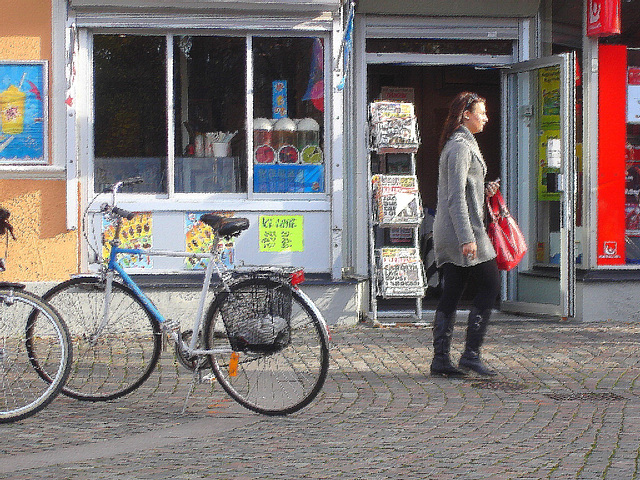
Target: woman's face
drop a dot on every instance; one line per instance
(476, 118)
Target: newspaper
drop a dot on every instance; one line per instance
(400, 272)
(396, 200)
(393, 127)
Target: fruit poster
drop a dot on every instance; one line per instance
(135, 233)
(199, 238)
(23, 112)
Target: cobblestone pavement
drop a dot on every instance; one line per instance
(565, 405)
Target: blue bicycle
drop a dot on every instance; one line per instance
(264, 339)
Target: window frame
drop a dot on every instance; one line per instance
(187, 197)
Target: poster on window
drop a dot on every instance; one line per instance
(23, 112)
(549, 130)
(199, 238)
(291, 178)
(281, 233)
(135, 233)
(632, 191)
(633, 95)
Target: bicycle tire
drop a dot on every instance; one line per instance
(31, 334)
(127, 349)
(276, 382)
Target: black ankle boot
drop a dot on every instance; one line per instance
(470, 360)
(442, 332)
(476, 329)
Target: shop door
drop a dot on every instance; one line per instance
(539, 171)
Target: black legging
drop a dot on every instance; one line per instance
(485, 277)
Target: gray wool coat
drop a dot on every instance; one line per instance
(461, 199)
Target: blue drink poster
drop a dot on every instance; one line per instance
(288, 178)
(23, 96)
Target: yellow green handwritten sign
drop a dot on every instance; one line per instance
(281, 233)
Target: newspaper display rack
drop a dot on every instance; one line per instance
(396, 267)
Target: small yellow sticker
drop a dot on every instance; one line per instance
(233, 364)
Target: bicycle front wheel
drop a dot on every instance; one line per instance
(274, 377)
(112, 356)
(31, 335)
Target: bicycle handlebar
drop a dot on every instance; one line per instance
(121, 212)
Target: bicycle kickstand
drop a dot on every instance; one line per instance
(196, 379)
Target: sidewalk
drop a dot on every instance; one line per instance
(565, 405)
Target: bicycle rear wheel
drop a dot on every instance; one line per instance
(31, 335)
(113, 359)
(274, 377)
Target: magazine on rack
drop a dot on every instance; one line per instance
(396, 200)
(401, 273)
(393, 127)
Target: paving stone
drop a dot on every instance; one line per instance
(564, 405)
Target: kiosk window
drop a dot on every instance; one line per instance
(209, 151)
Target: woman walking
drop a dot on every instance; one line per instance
(462, 247)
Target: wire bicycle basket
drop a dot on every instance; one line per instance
(257, 316)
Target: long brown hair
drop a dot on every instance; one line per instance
(463, 102)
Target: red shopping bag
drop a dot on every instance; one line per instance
(505, 234)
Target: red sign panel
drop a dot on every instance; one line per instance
(612, 135)
(603, 17)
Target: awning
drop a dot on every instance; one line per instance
(168, 6)
(452, 8)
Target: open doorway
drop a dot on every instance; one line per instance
(431, 89)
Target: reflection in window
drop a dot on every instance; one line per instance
(288, 95)
(632, 159)
(210, 93)
(130, 110)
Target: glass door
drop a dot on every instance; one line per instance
(539, 172)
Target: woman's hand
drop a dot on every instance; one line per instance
(491, 188)
(469, 250)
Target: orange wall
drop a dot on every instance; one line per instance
(25, 30)
(29, 18)
(44, 250)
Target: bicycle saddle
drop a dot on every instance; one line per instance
(225, 226)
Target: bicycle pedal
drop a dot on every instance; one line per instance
(208, 378)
